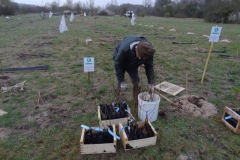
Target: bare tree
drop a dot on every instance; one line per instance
(86, 5)
(91, 4)
(6, 7)
(54, 6)
(48, 5)
(69, 4)
(78, 6)
(115, 3)
(159, 6)
(147, 3)
(148, 6)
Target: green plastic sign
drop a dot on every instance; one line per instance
(88, 64)
(215, 34)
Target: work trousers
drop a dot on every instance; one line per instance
(133, 73)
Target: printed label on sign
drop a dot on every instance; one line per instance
(88, 64)
(215, 34)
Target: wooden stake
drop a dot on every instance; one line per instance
(237, 54)
(205, 68)
(186, 87)
(1, 66)
(39, 98)
(88, 77)
(171, 102)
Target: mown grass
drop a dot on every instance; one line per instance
(70, 101)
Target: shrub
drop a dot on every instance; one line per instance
(141, 14)
(167, 14)
(103, 13)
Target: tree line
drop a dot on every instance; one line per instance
(219, 11)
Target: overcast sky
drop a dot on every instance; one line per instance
(101, 3)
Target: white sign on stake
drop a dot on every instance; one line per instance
(215, 34)
(88, 64)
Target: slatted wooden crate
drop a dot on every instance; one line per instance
(169, 88)
(132, 144)
(97, 148)
(231, 119)
(104, 123)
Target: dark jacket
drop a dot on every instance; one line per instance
(125, 59)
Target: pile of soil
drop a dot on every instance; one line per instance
(196, 106)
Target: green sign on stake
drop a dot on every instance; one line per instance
(214, 37)
(88, 66)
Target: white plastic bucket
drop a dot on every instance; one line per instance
(148, 108)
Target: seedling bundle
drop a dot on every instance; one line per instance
(113, 113)
(231, 118)
(137, 135)
(96, 140)
(98, 137)
(134, 132)
(103, 139)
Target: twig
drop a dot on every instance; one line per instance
(16, 86)
(39, 98)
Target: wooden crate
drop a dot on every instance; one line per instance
(139, 142)
(104, 123)
(97, 148)
(234, 122)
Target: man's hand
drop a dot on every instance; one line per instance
(123, 85)
(151, 88)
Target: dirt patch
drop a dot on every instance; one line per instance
(195, 60)
(50, 96)
(3, 82)
(179, 52)
(48, 114)
(225, 40)
(6, 81)
(4, 133)
(196, 106)
(201, 50)
(4, 77)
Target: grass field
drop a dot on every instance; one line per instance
(51, 130)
